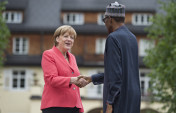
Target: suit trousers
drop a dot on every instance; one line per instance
(60, 110)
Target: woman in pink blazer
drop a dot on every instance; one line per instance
(61, 92)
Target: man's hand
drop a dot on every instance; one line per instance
(109, 108)
(78, 82)
(87, 78)
(82, 82)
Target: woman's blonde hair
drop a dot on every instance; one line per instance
(62, 30)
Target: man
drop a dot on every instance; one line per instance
(121, 77)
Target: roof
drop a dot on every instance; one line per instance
(89, 29)
(35, 60)
(101, 29)
(100, 5)
(16, 4)
(44, 15)
(23, 60)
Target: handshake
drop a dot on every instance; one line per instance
(81, 81)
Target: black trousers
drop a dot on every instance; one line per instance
(60, 110)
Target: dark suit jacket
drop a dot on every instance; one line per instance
(121, 76)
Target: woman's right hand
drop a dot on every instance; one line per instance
(80, 82)
(87, 78)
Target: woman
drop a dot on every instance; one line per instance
(60, 94)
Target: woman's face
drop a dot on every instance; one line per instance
(65, 42)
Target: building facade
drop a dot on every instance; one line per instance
(32, 24)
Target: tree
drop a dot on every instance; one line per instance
(4, 32)
(162, 58)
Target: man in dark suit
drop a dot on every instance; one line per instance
(121, 77)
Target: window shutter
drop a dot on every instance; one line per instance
(7, 80)
(104, 43)
(29, 79)
(97, 49)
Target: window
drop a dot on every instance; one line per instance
(73, 18)
(17, 79)
(100, 45)
(100, 18)
(141, 19)
(94, 91)
(144, 82)
(12, 16)
(20, 45)
(145, 44)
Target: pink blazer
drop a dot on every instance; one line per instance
(57, 73)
